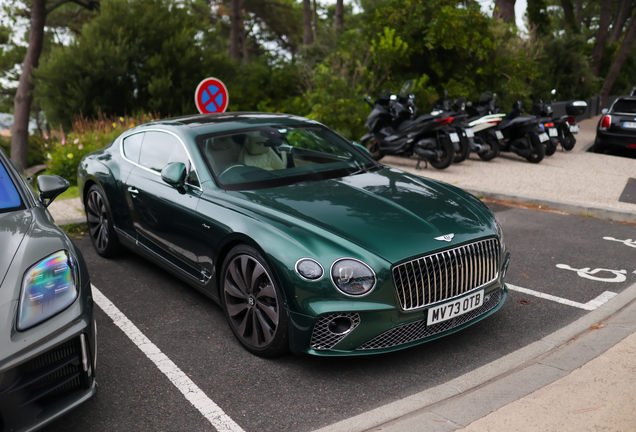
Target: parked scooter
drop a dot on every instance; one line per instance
(561, 129)
(484, 123)
(523, 135)
(395, 130)
(457, 111)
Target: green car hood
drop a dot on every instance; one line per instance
(390, 213)
(13, 228)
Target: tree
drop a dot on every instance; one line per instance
(505, 9)
(339, 15)
(236, 30)
(617, 63)
(624, 10)
(538, 16)
(307, 32)
(568, 12)
(24, 94)
(601, 35)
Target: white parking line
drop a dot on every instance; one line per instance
(205, 405)
(591, 305)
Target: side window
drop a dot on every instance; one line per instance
(159, 149)
(132, 146)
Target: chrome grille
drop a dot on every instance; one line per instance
(447, 274)
(323, 339)
(418, 330)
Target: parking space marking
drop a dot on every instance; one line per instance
(591, 305)
(211, 411)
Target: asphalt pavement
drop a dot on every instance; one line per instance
(578, 377)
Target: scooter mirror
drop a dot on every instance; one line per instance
(553, 92)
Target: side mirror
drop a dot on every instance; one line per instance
(604, 111)
(175, 175)
(50, 186)
(361, 147)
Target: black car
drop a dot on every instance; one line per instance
(617, 127)
(47, 331)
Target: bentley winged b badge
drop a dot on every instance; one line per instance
(445, 237)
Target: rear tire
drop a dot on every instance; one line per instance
(551, 146)
(568, 141)
(374, 149)
(537, 152)
(446, 159)
(464, 151)
(492, 153)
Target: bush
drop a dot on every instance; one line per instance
(63, 152)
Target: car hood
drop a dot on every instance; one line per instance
(393, 214)
(13, 228)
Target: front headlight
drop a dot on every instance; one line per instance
(49, 287)
(352, 277)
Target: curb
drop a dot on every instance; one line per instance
(568, 207)
(62, 222)
(457, 403)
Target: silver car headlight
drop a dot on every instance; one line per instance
(352, 277)
(48, 287)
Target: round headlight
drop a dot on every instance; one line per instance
(309, 269)
(352, 277)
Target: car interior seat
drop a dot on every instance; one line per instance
(256, 154)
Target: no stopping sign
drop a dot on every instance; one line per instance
(211, 96)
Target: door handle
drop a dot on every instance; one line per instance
(132, 190)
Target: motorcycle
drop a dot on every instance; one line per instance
(394, 129)
(457, 111)
(522, 135)
(561, 130)
(484, 123)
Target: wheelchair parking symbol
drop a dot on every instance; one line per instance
(588, 273)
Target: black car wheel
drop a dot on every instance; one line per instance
(100, 223)
(253, 303)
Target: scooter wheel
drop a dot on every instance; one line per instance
(446, 158)
(464, 151)
(374, 149)
(492, 153)
(537, 153)
(551, 146)
(568, 142)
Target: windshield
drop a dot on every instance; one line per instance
(626, 106)
(407, 88)
(9, 196)
(278, 155)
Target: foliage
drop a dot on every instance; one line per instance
(63, 151)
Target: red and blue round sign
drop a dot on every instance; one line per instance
(211, 96)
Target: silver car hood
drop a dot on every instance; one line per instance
(14, 226)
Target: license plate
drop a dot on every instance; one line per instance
(499, 134)
(629, 125)
(470, 133)
(455, 308)
(574, 128)
(543, 137)
(454, 137)
(553, 132)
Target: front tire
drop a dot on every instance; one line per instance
(446, 157)
(253, 303)
(492, 153)
(100, 223)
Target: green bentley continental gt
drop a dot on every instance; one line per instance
(305, 242)
(47, 330)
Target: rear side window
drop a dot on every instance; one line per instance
(625, 106)
(9, 196)
(159, 149)
(132, 147)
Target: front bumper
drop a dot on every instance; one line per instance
(53, 381)
(382, 331)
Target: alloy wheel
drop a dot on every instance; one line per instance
(251, 301)
(97, 218)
